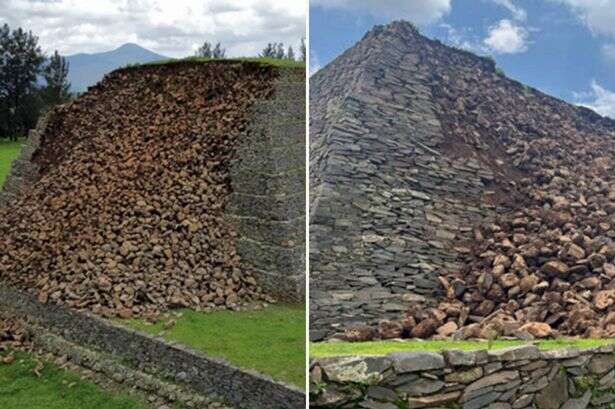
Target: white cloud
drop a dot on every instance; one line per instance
(608, 50)
(597, 15)
(506, 38)
(462, 38)
(174, 28)
(417, 11)
(599, 99)
(517, 12)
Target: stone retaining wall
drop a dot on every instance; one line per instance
(267, 206)
(205, 375)
(24, 172)
(512, 378)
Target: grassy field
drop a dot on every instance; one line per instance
(21, 387)
(329, 349)
(271, 341)
(8, 152)
(262, 60)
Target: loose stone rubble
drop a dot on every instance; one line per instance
(513, 378)
(451, 201)
(13, 334)
(127, 216)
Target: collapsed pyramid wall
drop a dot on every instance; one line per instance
(406, 160)
(221, 128)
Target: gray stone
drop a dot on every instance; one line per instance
(421, 387)
(456, 357)
(381, 394)
(482, 400)
(522, 401)
(416, 361)
(433, 400)
(554, 394)
(492, 367)
(364, 370)
(581, 360)
(560, 353)
(371, 404)
(493, 379)
(580, 403)
(467, 376)
(499, 405)
(516, 353)
(602, 363)
(535, 385)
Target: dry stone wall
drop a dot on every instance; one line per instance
(387, 203)
(205, 375)
(267, 206)
(512, 378)
(23, 170)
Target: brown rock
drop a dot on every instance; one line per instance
(447, 329)
(555, 268)
(604, 299)
(390, 329)
(537, 329)
(359, 333)
(424, 329)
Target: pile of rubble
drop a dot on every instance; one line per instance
(127, 217)
(13, 335)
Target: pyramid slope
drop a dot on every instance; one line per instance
(414, 145)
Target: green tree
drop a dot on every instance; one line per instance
(269, 51)
(56, 75)
(218, 51)
(205, 50)
(290, 54)
(303, 50)
(279, 52)
(21, 59)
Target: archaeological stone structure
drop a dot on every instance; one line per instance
(197, 203)
(179, 185)
(511, 378)
(413, 145)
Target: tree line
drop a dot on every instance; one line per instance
(271, 50)
(30, 82)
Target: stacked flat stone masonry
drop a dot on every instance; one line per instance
(386, 202)
(409, 155)
(267, 206)
(512, 378)
(207, 376)
(23, 171)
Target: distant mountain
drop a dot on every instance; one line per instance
(87, 69)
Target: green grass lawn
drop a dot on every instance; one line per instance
(329, 349)
(271, 341)
(56, 388)
(8, 152)
(262, 60)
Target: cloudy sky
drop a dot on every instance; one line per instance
(172, 28)
(565, 48)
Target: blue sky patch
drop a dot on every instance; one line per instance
(565, 48)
